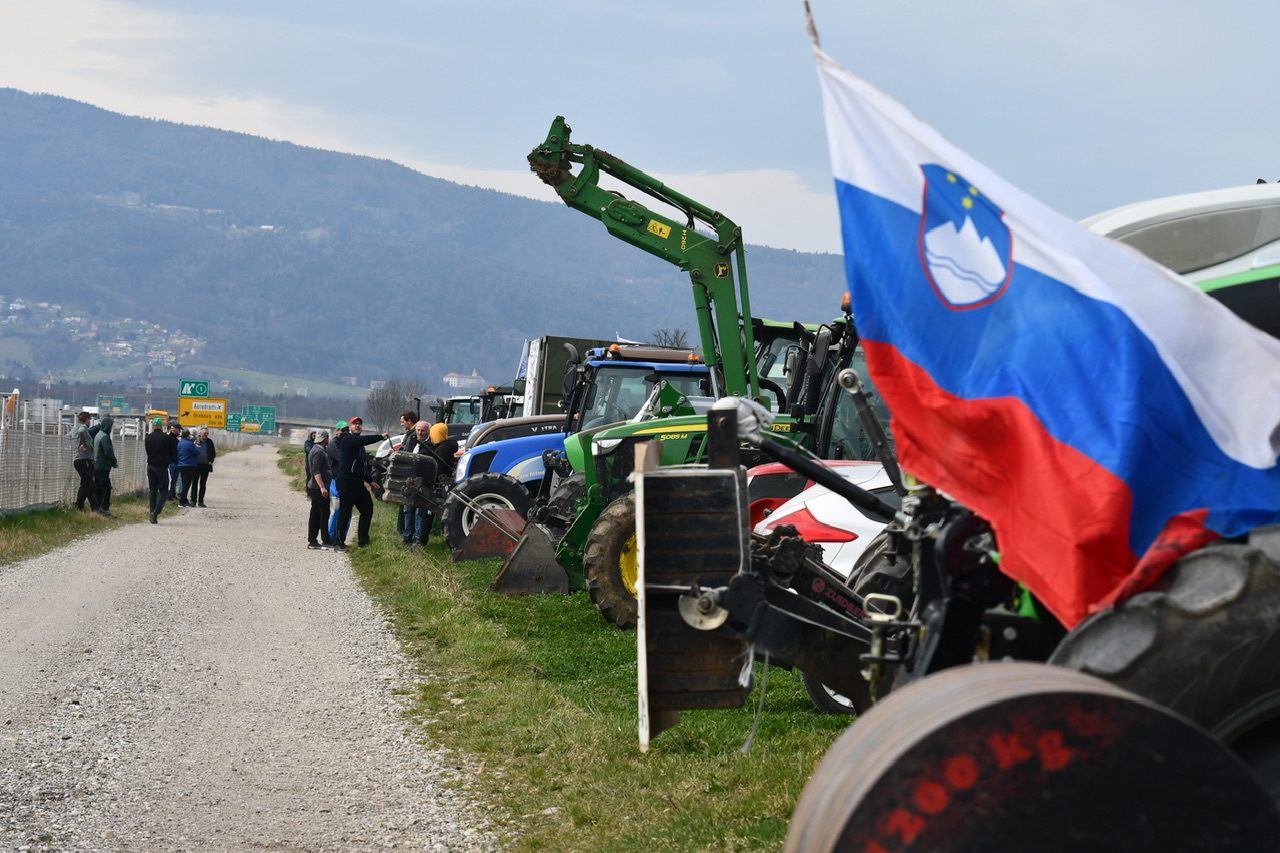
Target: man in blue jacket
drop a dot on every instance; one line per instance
(352, 474)
(188, 458)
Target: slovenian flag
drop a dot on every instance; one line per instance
(1100, 411)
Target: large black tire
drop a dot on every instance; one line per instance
(565, 495)
(872, 573)
(1205, 643)
(610, 563)
(830, 702)
(483, 490)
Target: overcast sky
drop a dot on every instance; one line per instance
(1086, 104)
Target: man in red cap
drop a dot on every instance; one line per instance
(352, 475)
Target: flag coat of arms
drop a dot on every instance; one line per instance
(1100, 411)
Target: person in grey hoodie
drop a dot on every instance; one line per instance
(82, 461)
(104, 459)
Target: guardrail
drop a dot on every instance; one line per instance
(36, 470)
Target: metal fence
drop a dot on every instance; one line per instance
(36, 470)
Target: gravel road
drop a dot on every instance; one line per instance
(207, 683)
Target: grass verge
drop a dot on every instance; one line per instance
(28, 534)
(539, 693)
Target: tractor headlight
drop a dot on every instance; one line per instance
(464, 462)
(605, 446)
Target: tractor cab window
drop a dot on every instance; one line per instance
(464, 411)
(771, 363)
(1188, 243)
(618, 392)
(848, 439)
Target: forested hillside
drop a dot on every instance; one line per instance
(317, 264)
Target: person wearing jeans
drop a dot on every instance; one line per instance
(82, 461)
(188, 457)
(204, 465)
(175, 431)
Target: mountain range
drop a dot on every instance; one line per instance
(322, 265)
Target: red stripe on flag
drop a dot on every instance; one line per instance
(1061, 520)
(1182, 534)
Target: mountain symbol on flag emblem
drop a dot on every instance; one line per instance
(964, 241)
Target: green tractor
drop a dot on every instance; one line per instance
(582, 530)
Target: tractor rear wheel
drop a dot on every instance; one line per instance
(610, 563)
(1205, 642)
(466, 499)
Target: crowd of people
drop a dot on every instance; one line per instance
(179, 462)
(337, 466)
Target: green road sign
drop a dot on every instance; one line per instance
(193, 388)
(263, 415)
(233, 421)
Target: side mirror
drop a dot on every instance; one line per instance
(793, 367)
(821, 349)
(570, 370)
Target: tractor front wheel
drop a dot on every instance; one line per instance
(468, 498)
(610, 563)
(1204, 643)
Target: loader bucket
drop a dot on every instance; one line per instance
(532, 566)
(494, 534)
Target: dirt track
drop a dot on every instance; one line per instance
(207, 683)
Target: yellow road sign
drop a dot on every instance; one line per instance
(202, 411)
(250, 426)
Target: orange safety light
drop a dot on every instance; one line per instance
(846, 304)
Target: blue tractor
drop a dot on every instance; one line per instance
(502, 466)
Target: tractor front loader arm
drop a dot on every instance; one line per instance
(715, 261)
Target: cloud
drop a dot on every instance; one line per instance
(772, 206)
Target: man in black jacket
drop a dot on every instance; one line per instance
(352, 474)
(161, 452)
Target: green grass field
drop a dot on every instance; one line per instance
(539, 693)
